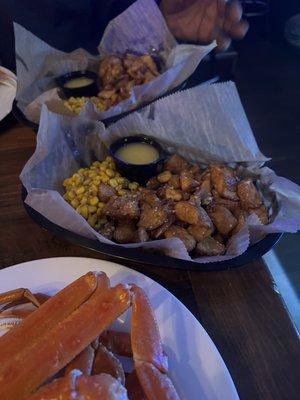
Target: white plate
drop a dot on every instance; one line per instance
(196, 366)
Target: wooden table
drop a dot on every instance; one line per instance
(240, 309)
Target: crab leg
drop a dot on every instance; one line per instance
(45, 317)
(149, 358)
(106, 362)
(76, 386)
(156, 385)
(145, 337)
(134, 388)
(58, 346)
(117, 342)
(83, 362)
(18, 295)
(61, 388)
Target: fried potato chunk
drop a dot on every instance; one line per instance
(152, 216)
(222, 218)
(187, 212)
(174, 181)
(248, 194)
(153, 184)
(122, 207)
(164, 176)
(176, 164)
(224, 181)
(173, 194)
(111, 69)
(262, 214)
(105, 192)
(209, 247)
(182, 234)
(241, 217)
(107, 230)
(199, 232)
(192, 214)
(125, 231)
(187, 181)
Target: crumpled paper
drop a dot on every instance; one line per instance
(141, 28)
(203, 124)
(8, 89)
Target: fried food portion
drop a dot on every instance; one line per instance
(187, 181)
(203, 207)
(248, 194)
(105, 192)
(262, 214)
(176, 164)
(222, 218)
(107, 230)
(224, 181)
(119, 74)
(152, 216)
(123, 207)
(125, 231)
(199, 232)
(209, 247)
(111, 69)
(182, 234)
(187, 212)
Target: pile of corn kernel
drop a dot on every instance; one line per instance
(82, 189)
(75, 104)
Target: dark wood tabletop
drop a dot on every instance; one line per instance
(240, 309)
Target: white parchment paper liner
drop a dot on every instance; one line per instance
(140, 28)
(203, 124)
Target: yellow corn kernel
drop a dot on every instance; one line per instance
(83, 210)
(104, 178)
(84, 200)
(110, 173)
(92, 219)
(80, 190)
(75, 203)
(94, 201)
(92, 209)
(71, 195)
(120, 180)
(122, 192)
(101, 205)
(133, 186)
(108, 159)
(113, 183)
(66, 182)
(102, 167)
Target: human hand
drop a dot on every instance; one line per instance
(203, 21)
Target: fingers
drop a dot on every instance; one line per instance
(239, 30)
(209, 28)
(233, 14)
(223, 43)
(234, 26)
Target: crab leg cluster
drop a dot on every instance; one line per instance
(69, 333)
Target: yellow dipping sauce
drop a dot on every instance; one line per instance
(137, 153)
(78, 82)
